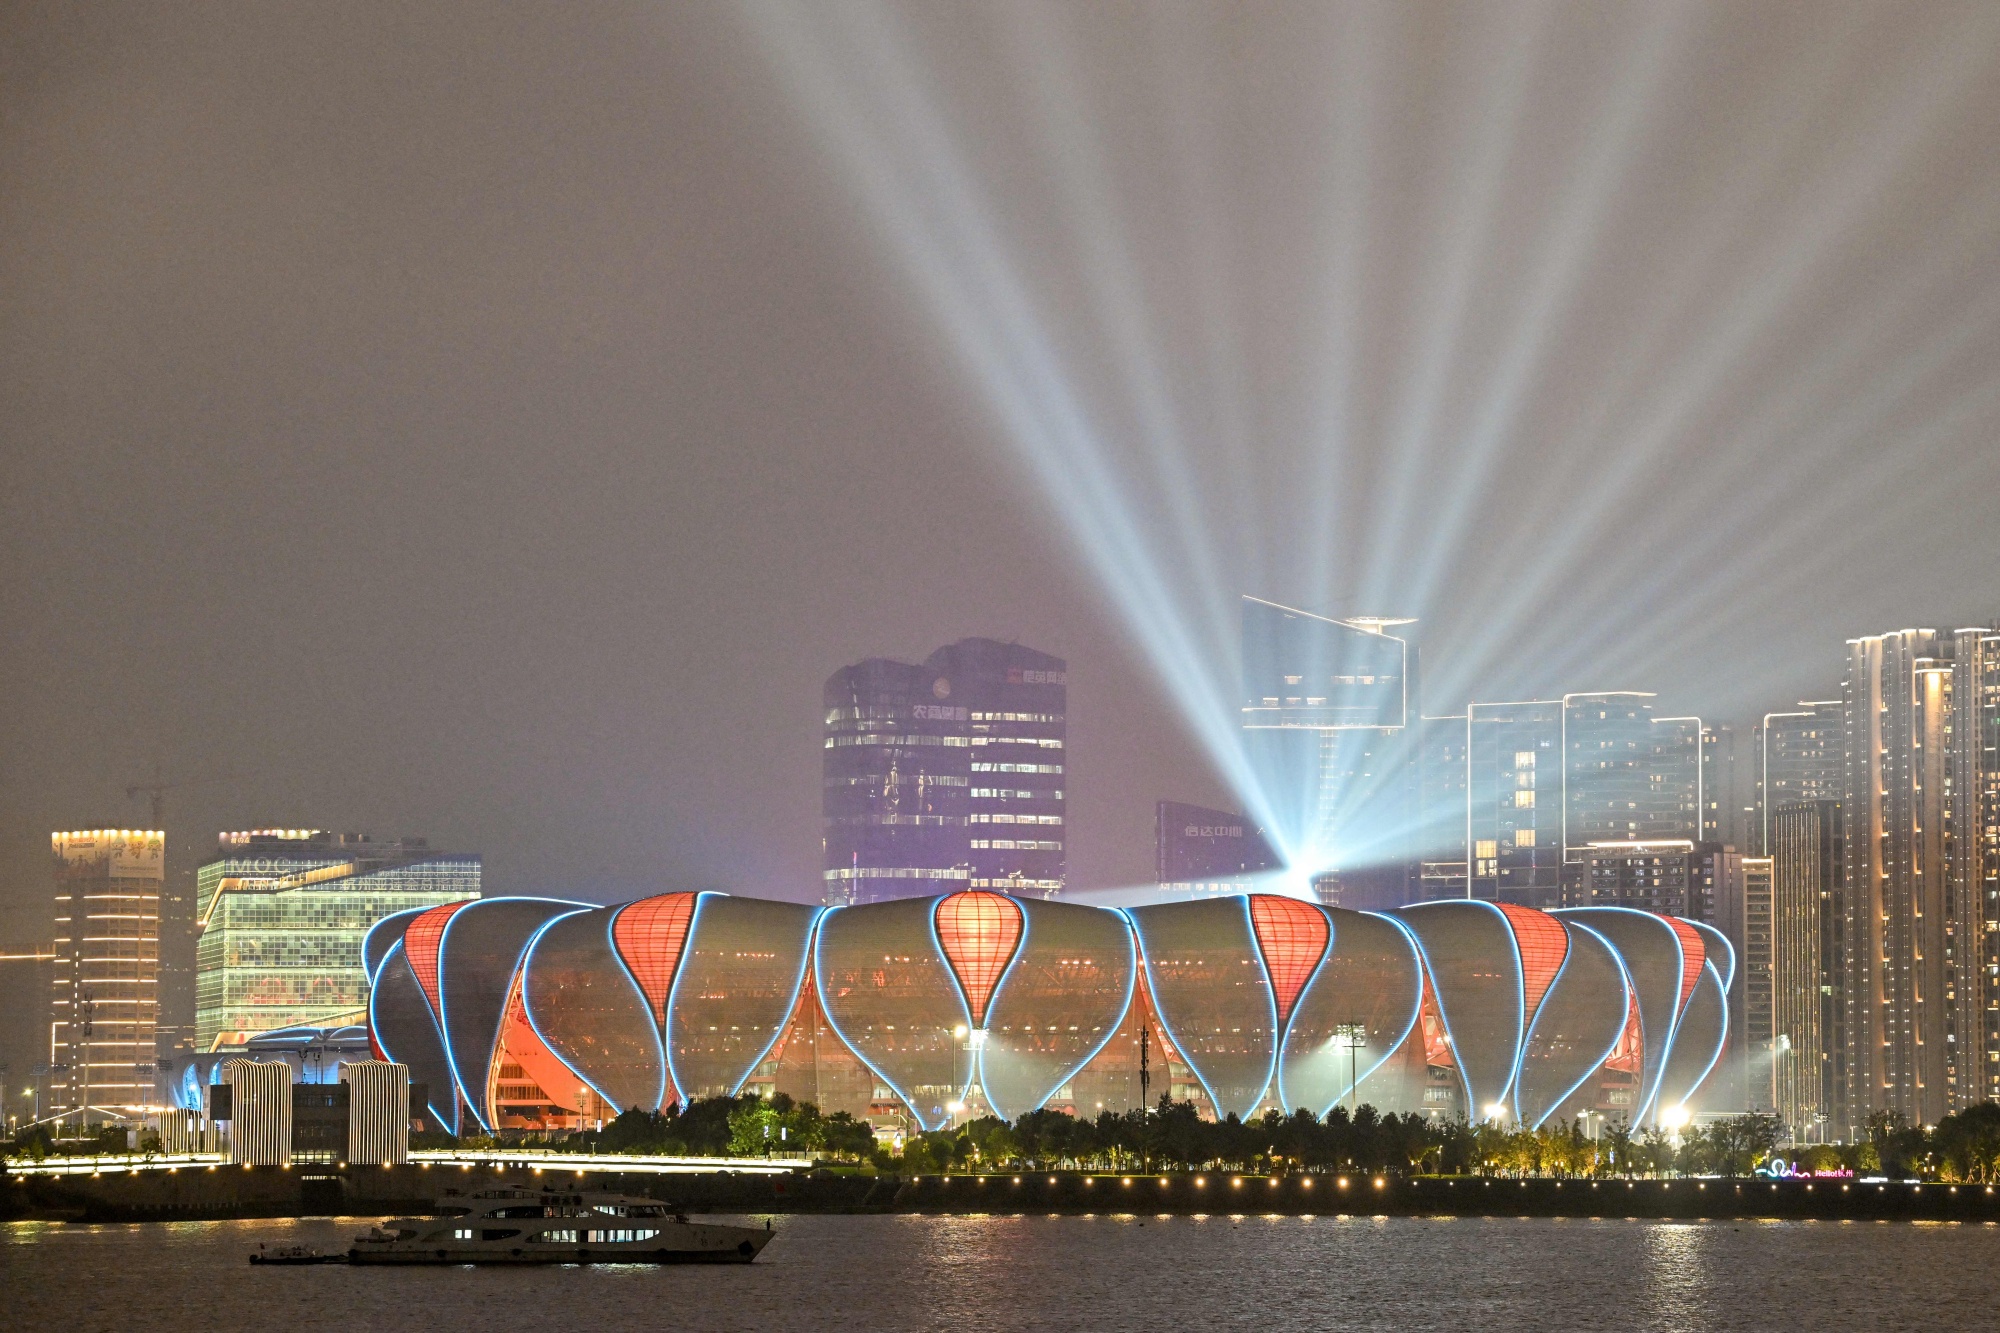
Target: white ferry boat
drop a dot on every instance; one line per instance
(522, 1226)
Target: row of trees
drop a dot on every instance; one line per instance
(1963, 1147)
(1174, 1136)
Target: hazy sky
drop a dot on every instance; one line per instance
(494, 423)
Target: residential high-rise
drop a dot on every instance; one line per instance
(107, 974)
(1895, 816)
(1974, 911)
(1628, 776)
(1723, 798)
(1807, 968)
(1328, 713)
(1443, 772)
(1798, 757)
(1514, 809)
(1670, 876)
(1743, 912)
(283, 915)
(946, 775)
(1201, 852)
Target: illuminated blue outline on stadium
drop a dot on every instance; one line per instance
(1680, 1010)
(1473, 1104)
(645, 1000)
(527, 962)
(375, 1031)
(1522, 1024)
(958, 989)
(1631, 998)
(1649, 1095)
(444, 1023)
(1429, 978)
(1146, 954)
(1722, 1032)
(999, 984)
(1715, 937)
(1298, 1001)
(405, 916)
(1569, 952)
(798, 984)
(819, 983)
(1111, 1030)
(1418, 965)
(1124, 1011)
(673, 993)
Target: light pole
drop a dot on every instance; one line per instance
(1353, 1036)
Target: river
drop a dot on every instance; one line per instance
(969, 1273)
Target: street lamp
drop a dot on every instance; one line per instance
(1353, 1036)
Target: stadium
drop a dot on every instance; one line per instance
(527, 1014)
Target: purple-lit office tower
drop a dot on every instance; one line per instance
(945, 775)
(1329, 708)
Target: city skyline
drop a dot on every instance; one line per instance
(546, 553)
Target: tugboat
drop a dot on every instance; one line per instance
(522, 1226)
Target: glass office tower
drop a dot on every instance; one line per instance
(945, 775)
(1328, 713)
(283, 913)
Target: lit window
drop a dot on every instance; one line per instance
(1524, 758)
(1524, 837)
(1524, 800)
(1486, 849)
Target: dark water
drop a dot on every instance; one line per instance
(969, 1273)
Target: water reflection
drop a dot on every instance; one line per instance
(966, 1274)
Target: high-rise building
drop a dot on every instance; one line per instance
(283, 914)
(1798, 757)
(1723, 798)
(1895, 815)
(1671, 876)
(945, 775)
(1628, 776)
(1514, 807)
(1201, 852)
(1806, 969)
(1743, 912)
(1443, 772)
(1974, 913)
(1328, 713)
(1546, 779)
(107, 974)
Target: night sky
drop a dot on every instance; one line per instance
(494, 423)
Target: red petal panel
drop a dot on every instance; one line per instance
(1544, 945)
(979, 932)
(1694, 952)
(650, 935)
(421, 940)
(1292, 935)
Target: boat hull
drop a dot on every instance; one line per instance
(741, 1247)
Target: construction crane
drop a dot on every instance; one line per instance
(156, 792)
